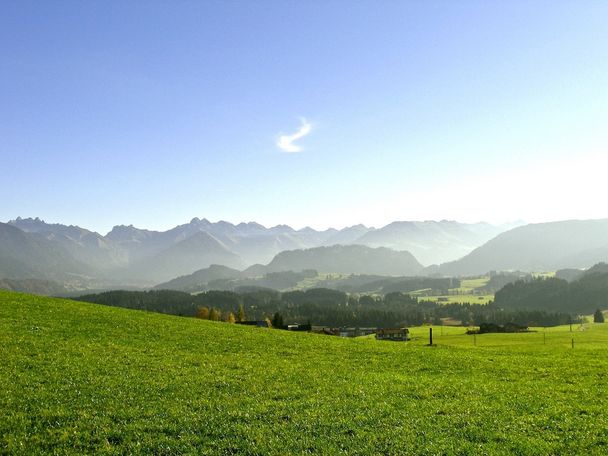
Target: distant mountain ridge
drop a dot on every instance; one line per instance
(347, 259)
(432, 242)
(133, 257)
(538, 247)
(429, 241)
(138, 257)
(32, 255)
(344, 259)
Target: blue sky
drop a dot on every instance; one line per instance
(152, 113)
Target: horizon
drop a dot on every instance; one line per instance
(468, 111)
(508, 224)
(266, 226)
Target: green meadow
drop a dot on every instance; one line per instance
(467, 292)
(458, 298)
(80, 378)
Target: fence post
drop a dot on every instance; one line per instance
(430, 336)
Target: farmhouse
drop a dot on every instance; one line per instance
(355, 332)
(343, 332)
(397, 334)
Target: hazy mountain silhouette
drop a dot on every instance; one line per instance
(351, 259)
(538, 247)
(31, 255)
(251, 241)
(431, 242)
(347, 259)
(349, 235)
(84, 246)
(198, 279)
(138, 257)
(195, 252)
(33, 286)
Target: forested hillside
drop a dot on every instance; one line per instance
(583, 295)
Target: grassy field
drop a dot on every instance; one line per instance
(465, 293)
(544, 274)
(314, 281)
(468, 285)
(460, 298)
(80, 378)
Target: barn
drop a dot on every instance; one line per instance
(396, 334)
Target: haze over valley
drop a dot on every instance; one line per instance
(78, 259)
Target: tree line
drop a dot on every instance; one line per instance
(584, 296)
(323, 307)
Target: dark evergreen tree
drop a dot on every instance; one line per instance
(598, 316)
(277, 321)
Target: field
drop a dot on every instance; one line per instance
(467, 292)
(314, 281)
(457, 298)
(80, 378)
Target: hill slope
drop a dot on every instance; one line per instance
(81, 378)
(538, 247)
(431, 242)
(198, 251)
(583, 295)
(198, 279)
(349, 259)
(86, 247)
(30, 255)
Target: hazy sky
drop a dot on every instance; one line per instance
(321, 113)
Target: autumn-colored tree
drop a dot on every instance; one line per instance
(203, 312)
(230, 318)
(215, 314)
(241, 313)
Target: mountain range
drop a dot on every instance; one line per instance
(432, 242)
(32, 248)
(77, 258)
(296, 265)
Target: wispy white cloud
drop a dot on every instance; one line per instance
(286, 142)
